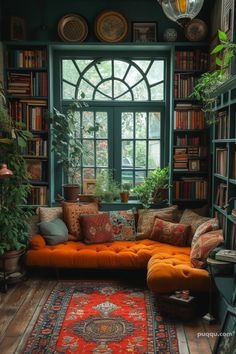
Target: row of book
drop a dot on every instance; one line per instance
(191, 60)
(186, 139)
(36, 147)
(27, 84)
(190, 188)
(222, 125)
(186, 159)
(36, 58)
(38, 195)
(37, 170)
(221, 161)
(189, 119)
(32, 113)
(221, 195)
(183, 85)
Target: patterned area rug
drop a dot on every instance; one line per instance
(101, 317)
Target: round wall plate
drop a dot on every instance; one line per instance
(72, 28)
(111, 26)
(196, 30)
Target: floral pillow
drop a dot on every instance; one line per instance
(96, 228)
(123, 225)
(207, 226)
(169, 232)
(203, 246)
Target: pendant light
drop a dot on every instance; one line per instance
(181, 11)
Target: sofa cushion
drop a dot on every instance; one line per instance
(203, 246)
(169, 232)
(71, 216)
(123, 225)
(96, 228)
(207, 226)
(47, 214)
(147, 217)
(194, 220)
(54, 231)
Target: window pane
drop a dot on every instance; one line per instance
(127, 125)
(154, 125)
(88, 153)
(141, 125)
(133, 76)
(143, 64)
(120, 68)
(87, 89)
(125, 97)
(102, 153)
(140, 154)
(154, 154)
(139, 176)
(106, 87)
(89, 173)
(104, 68)
(140, 92)
(101, 118)
(100, 97)
(119, 88)
(157, 92)
(127, 154)
(83, 63)
(156, 72)
(87, 122)
(68, 91)
(127, 177)
(92, 76)
(69, 71)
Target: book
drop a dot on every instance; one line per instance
(34, 168)
(226, 255)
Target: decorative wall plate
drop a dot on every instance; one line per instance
(170, 35)
(72, 28)
(196, 30)
(111, 26)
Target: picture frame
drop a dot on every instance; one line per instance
(226, 342)
(194, 165)
(88, 186)
(17, 29)
(144, 32)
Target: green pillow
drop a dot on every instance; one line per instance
(54, 231)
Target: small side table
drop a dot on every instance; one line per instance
(215, 267)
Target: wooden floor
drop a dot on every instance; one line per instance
(20, 306)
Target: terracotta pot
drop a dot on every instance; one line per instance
(71, 192)
(12, 261)
(124, 197)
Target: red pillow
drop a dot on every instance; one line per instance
(169, 232)
(96, 228)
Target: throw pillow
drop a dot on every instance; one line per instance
(96, 228)
(54, 231)
(194, 220)
(123, 225)
(207, 226)
(47, 214)
(169, 232)
(203, 246)
(147, 218)
(71, 216)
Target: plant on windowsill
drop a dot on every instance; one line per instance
(155, 187)
(14, 190)
(205, 90)
(124, 194)
(66, 144)
(106, 188)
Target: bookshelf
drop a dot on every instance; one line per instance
(190, 152)
(26, 84)
(224, 161)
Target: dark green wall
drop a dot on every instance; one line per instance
(38, 12)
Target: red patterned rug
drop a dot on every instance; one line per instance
(101, 317)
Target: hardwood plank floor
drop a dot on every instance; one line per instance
(20, 306)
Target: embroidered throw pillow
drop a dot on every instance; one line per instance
(54, 231)
(194, 220)
(123, 225)
(96, 228)
(71, 216)
(47, 214)
(207, 226)
(147, 218)
(203, 246)
(169, 232)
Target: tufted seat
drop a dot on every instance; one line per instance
(169, 267)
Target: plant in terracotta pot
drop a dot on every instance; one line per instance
(13, 190)
(124, 194)
(67, 145)
(155, 187)
(106, 188)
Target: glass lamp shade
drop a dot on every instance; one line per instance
(181, 11)
(5, 172)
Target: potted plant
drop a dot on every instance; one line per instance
(67, 145)
(124, 194)
(14, 191)
(155, 187)
(106, 188)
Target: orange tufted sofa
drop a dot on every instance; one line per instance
(168, 267)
